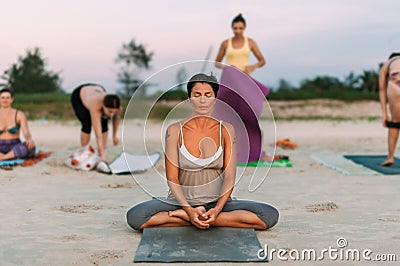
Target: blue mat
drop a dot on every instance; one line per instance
(373, 162)
(11, 162)
(189, 244)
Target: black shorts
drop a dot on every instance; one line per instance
(82, 113)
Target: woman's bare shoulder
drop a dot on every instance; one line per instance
(251, 41)
(173, 126)
(228, 127)
(173, 129)
(20, 114)
(224, 43)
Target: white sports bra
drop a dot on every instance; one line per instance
(201, 161)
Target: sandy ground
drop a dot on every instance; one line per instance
(52, 215)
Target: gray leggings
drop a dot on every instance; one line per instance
(141, 213)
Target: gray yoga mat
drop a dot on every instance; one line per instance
(373, 162)
(189, 244)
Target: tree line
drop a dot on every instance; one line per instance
(31, 75)
(367, 81)
(363, 86)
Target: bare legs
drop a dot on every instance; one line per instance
(7, 156)
(183, 215)
(393, 96)
(85, 138)
(105, 136)
(163, 219)
(240, 219)
(393, 135)
(237, 218)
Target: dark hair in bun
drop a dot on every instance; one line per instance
(203, 78)
(239, 18)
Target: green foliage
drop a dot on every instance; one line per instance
(346, 95)
(29, 75)
(352, 88)
(55, 106)
(41, 97)
(173, 95)
(134, 58)
(369, 80)
(160, 111)
(181, 78)
(51, 106)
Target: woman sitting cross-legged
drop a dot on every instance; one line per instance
(12, 122)
(200, 163)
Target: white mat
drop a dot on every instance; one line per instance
(341, 164)
(126, 163)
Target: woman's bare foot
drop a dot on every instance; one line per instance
(269, 158)
(387, 163)
(183, 215)
(6, 167)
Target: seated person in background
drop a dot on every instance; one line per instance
(93, 106)
(12, 121)
(200, 163)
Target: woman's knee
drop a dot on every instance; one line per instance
(270, 215)
(135, 217)
(21, 150)
(142, 212)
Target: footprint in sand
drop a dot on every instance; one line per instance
(321, 207)
(72, 237)
(388, 219)
(55, 163)
(81, 208)
(96, 257)
(118, 185)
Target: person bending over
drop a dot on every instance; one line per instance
(93, 107)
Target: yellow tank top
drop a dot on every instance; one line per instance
(238, 57)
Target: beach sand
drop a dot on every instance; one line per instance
(53, 215)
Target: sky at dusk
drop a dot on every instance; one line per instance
(299, 39)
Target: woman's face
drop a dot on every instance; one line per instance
(238, 28)
(110, 112)
(202, 99)
(6, 99)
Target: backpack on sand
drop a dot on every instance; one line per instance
(84, 158)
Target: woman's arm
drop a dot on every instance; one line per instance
(383, 92)
(229, 142)
(257, 53)
(172, 173)
(116, 120)
(221, 54)
(95, 116)
(25, 129)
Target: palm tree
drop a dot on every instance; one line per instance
(369, 81)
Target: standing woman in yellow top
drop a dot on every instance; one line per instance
(242, 93)
(237, 49)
